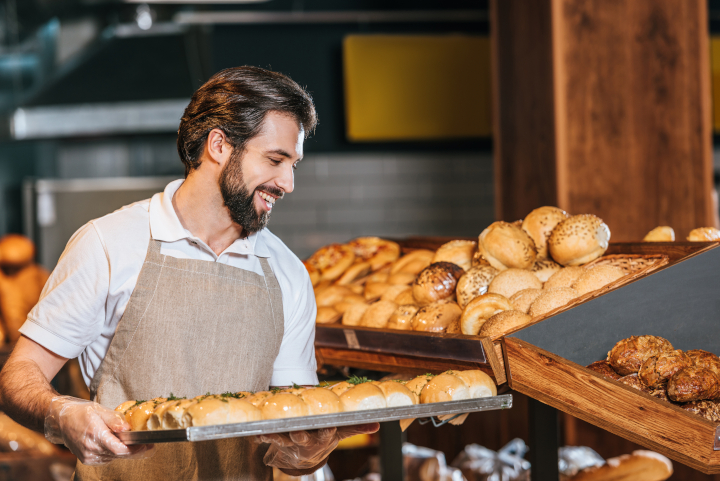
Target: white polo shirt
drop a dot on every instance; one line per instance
(87, 293)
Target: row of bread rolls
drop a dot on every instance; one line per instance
(666, 233)
(355, 394)
(651, 364)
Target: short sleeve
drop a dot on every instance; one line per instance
(71, 311)
(296, 362)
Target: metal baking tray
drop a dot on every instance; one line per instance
(221, 431)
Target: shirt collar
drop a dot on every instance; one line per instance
(165, 225)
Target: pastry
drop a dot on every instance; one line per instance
(341, 387)
(478, 259)
(540, 223)
(479, 384)
(332, 260)
(436, 282)
(327, 315)
(354, 314)
(137, 416)
(506, 246)
(512, 280)
(375, 290)
(522, 300)
(502, 322)
(394, 291)
(693, 384)
(378, 314)
(634, 382)
(604, 369)
(396, 394)
(405, 297)
(172, 417)
(551, 299)
(661, 233)
(544, 268)
(376, 251)
(578, 240)
(436, 317)
(627, 356)
(417, 384)
(565, 277)
(220, 410)
(332, 295)
(710, 410)
(321, 401)
(459, 252)
(704, 234)
(638, 466)
(656, 370)
(705, 359)
(597, 277)
(413, 263)
(283, 405)
(473, 283)
(401, 278)
(354, 272)
(402, 318)
(444, 387)
(379, 276)
(363, 396)
(480, 309)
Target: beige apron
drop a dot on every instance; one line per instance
(191, 327)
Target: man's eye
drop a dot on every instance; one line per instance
(276, 162)
(295, 166)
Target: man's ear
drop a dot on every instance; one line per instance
(217, 148)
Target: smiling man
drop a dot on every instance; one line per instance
(185, 293)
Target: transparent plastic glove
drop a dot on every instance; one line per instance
(307, 449)
(87, 429)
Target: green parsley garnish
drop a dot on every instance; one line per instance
(357, 380)
(295, 386)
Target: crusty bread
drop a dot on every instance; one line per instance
(353, 314)
(459, 252)
(579, 240)
(436, 282)
(480, 309)
(393, 292)
(638, 466)
(597, 277)
(551, 299)
(376, 251)
(283, 405)
(396, 394)
(565, 277)
(522, 300)
(413, 262)
(474, 283)
(505, 246)
(220, 410)
(502, 322)
(363, 396)
(444, 387)
(354, 272)
(16, 250)
(332, 260)
(378, 314)
(545, 268)
(327, 315)
(402, 318)
(704, 234)
(661, 233)
(510, 281)
(436, 317)
(321, 401)
(540, 223)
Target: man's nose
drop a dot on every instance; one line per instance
(286, 180)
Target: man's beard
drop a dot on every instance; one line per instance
(239, 201)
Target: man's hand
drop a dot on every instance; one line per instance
(304, 452)
(88, 430)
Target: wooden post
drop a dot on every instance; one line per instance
(604, 107)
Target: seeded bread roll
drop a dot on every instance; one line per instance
(354, 272)
(565, 277)
(436, 317)
(551, 299)
(540, 223)
(474, 283)
(215, 410)
(396, 394)
(579, 240)
(545, 268)
(321, 401)
(393, 292)
(378, 252)
(283, 405)
(332, 295)
(656, 370)
(444, 387)
(502, 322)
(353, 314)
(480, 309)
(627, 356)
(363, 396)
(402, 318)
(378, 314)
(458, 252)
(693, 384)
(704, 234)
(16, 251)
(436, 282)
(375, 290)
(506, 246)
(603, 368)
(327, 315)
(596, 278)
(414, 262)
(661, 233)
(510, 281)
(332, 260)
(522, 300)
(705, 359)
(638, 466)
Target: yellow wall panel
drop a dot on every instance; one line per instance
(416, 87)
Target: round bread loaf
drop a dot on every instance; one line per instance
(393, 292)
(214, 410)
(551, 299)
(478, 259)
(436, 317)
(510, 281)
(375, 290)
(595, 278)
(444, 387)
(656, 370)
(693, 384)
(378, 314)
(565, 277)
(327, 315)
(506, 246)
(522, 300)
(417, 384)
(413, 263)
(378, 252)
(480, 309)
(363, 396)
(354, 272)
(137, 416)
(332, 260)
(578, 240)
(16, 250)
(479, 384)
(321, 401)
(332, 295)
(661, 233)
(638, 466)
(604, 369)
(283, 405)
(705, 359)
(545, 268)
(627, 355)
(502, 322)
(313, 272)
(474, 283)
(401, 278)
(436, 282)
(402, 318)
(704, 234)
(353, 314)
(540, 223)
(458, 252)
(396, 394)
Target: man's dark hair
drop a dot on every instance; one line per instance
(236, 101)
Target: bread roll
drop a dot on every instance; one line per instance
(545, 268)
(458, 252)
(604, 369)
(627, 355)
(363, 396)
(579, 240)
(551, 299)
(693, 384)
(510, 281)
(313, 272)
(656, 370)
(354, 272)
(332, 295)
(595, 278)
(474, 283)
(480, 309)
(414, 262)
(417, 384)
(353, 314)
(172, 418)
(479, 384)
(16, 251)
(321, 401)
(478, 259)
(396, 394)
(638, 466)
(332, 260)
(402, 318)
(378, 314)
(393, 292)
(436, 317)
(444, 387)
(502, 322)
(137, 417)
(565, 277)
(540, 223)
(633, 380)
(327, 315)
(375, 290)
(522, 300)
(125, 406)
(215, 410)
(376, 251)
(436, 282)
(283, 405)
(710, 410)
(379, 276)
(405, 297)
(704, 234)
(661, 233)
(341, 387)
(705, 359)
(259, 398)
(156, 417)
(454, 327)
(348, 301)
(401, 278)
(506, 246)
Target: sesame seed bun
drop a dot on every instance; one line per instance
(597, 277)
(510, 281)
(506, 246)
(480, 309)
(436, 282)
(579, 240)
(540, 223)
(565, 277)
(502, 322)
(522, 300)
(474, 283)
(436, 317)
(402, 318)
(551, 299)
(459, 252)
